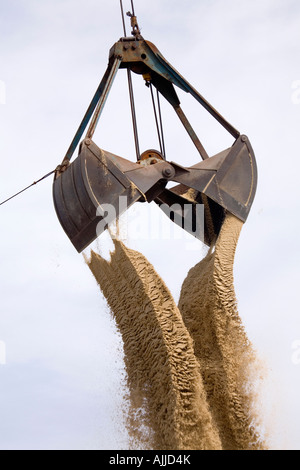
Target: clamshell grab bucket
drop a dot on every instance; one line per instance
(87, 195)
(98, 186)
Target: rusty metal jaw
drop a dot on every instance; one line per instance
(224, 183)
(99, 186)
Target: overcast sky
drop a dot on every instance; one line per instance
(62, 378)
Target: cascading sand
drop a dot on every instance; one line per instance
(208, 305)
(164, 380)
(188, 367)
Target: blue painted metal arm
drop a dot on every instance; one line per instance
(158, 63)
(101, 90)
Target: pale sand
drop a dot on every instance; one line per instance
(187, 366)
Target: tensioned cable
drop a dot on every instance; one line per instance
(133, 114)
(130, 87)
(25, 189)
(161, 124)
(123, 17)
(156, 118)
(132, 6)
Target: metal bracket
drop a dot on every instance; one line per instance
(142, 57)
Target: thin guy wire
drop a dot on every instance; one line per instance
(132, 6)
(133, 114)
(161, 124)
(156, 119)
(25, 189)
(123, 18)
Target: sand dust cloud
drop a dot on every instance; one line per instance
(188, 366)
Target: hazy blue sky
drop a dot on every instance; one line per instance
(61, 386)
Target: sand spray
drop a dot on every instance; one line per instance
(188, 366)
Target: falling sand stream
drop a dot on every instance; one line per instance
(188, 366)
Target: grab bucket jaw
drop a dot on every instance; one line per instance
(223, 183)
(99, 186)
(85, 191)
